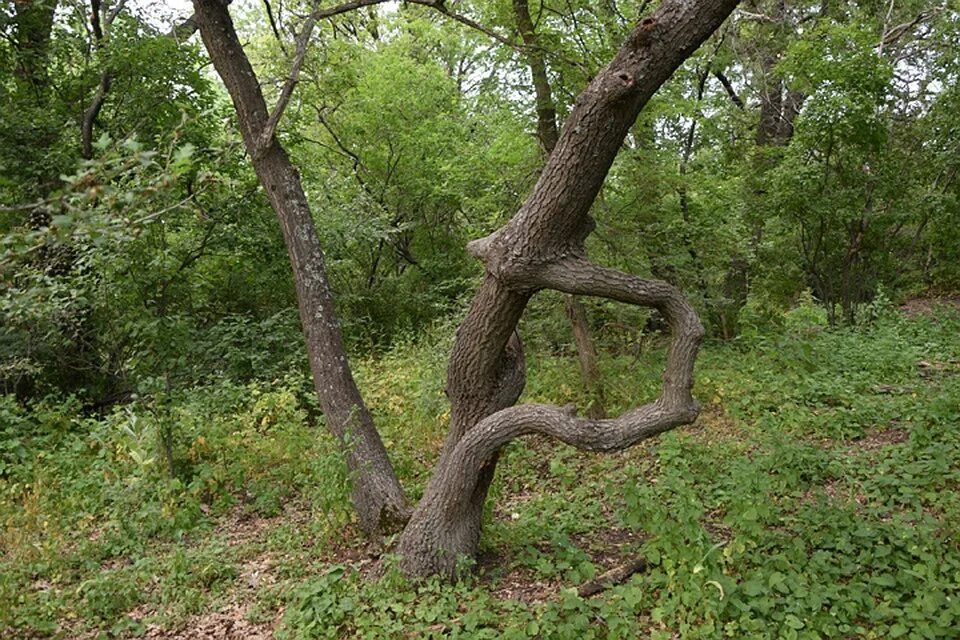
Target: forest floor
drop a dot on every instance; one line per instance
(816, 496)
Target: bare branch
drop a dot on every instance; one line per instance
(95, 19)
(760, 17)
(273, 26)
(579, 276)
(184, 30)
(115, 11)
(441, 7)
(266, 136)
(725, 81)
(611, 578)
(92, 112)
(892, 36)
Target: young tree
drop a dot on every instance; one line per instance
(542, 247)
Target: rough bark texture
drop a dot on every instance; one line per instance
(377, 494)
(542, 247)
(548, 135)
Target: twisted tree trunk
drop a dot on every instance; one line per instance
(541, 247)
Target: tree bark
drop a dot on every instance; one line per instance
(779, 107)
(587, 355)
(377, 495)
(547, 131)
(548, 134)
(542, 247)
(92, 112)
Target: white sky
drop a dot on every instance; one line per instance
(164, 13)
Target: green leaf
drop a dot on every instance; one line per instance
(184, 153)
(793, 621)
(102, 142)
(754, 588)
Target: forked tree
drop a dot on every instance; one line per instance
(541, 247)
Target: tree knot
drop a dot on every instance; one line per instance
(481, 248)
(620, 85)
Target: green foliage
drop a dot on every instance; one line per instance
(117, 490)
(803, 507)
(402, 170)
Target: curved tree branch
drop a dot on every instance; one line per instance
(579, 276)
(449, 495)
(728, 87)
(273, 26)
(542, 247)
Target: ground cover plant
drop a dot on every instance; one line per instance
(815, 497)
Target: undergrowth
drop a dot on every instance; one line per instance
(816, 497)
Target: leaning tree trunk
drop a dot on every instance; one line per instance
(377, 494)
(548, 134)
(543, 247)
